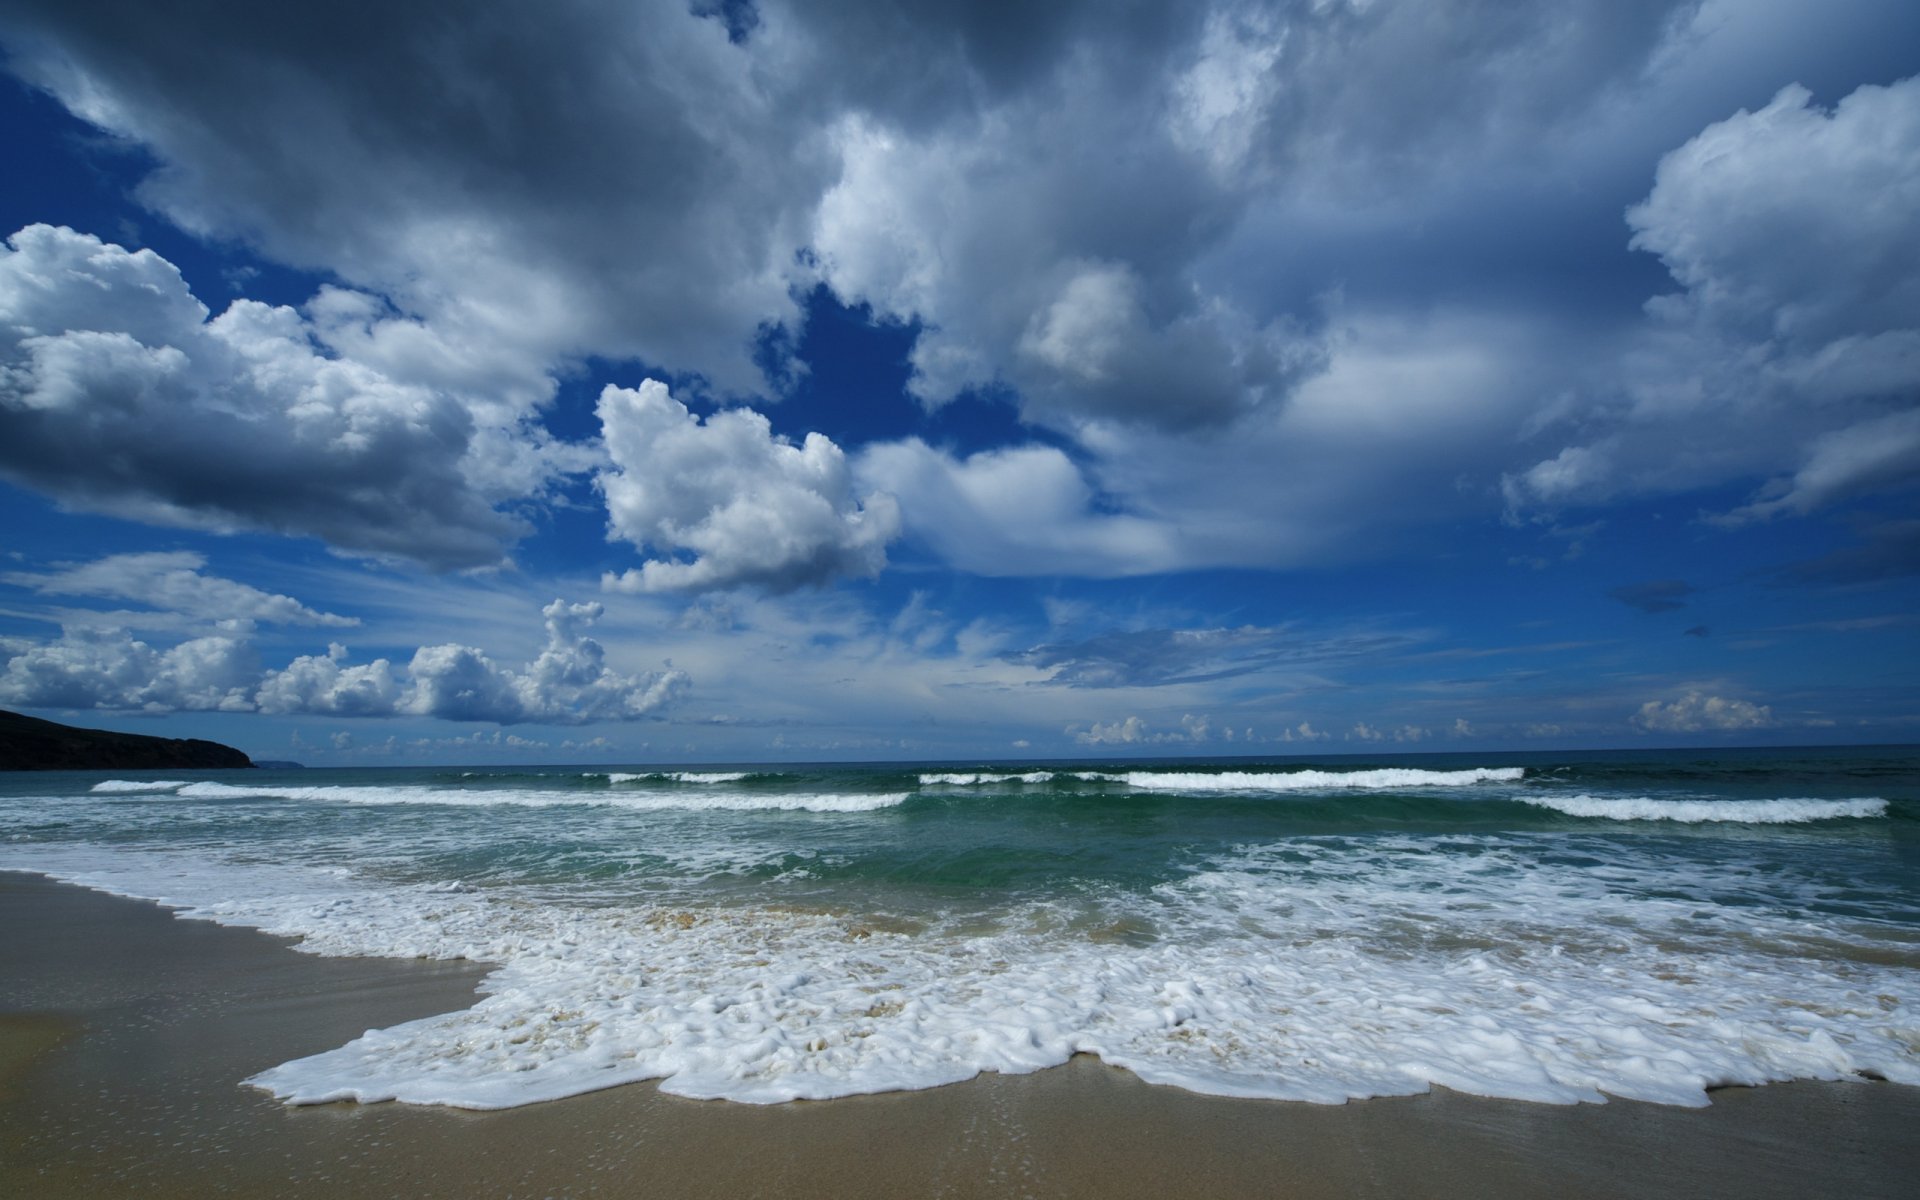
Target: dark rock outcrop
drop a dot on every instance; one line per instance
(30, 744)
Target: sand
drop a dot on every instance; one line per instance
(125, 1032)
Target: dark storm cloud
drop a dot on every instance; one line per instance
(630, 183)
(1655, 595)
(583, 177)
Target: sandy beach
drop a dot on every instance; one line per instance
(125, 1032)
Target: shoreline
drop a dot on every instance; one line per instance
(125, 1033)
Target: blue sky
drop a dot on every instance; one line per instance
(646, 382)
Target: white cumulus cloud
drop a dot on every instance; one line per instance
(107, 668)
(1696, 712)
(1024, 510)
(568, 683)
(120, 393)
(744, 506)
(1134, 730)
(325, 684)
(1792, 350)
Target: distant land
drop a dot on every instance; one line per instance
(30, 744)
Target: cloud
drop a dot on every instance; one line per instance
(749, 507)
(569, 683)
(1792, 221)
(96, 668)
(1134, 731)
(467, 168)
(1655, 595)
(172, 580)
(1698, 713)
(1167, 287)
(324, 684)
(1277, 281)
(1792, 350)
(1152, 657)
(1023, 510)
(118, 394)
(1880, 454)
(1162, 657)
(1888, 549)
(940, 163)
(1377, 443)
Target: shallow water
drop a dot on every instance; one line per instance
(1548, 928)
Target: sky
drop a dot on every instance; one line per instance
(665, 382)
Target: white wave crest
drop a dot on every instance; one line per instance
(476, 798)
(138, 785)
(678, 777)
(820, 802)
(1382, 779)
(1745, 812)
(964, 780)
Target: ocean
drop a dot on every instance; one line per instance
(1546, 927)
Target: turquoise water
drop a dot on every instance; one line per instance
(1547, 927)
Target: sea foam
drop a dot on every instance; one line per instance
(110, 786)
(824, 802)
(1307, 970)
(678, 777)
(1563, 966)
(1746, 812)
(1382, 779)
(979, 779)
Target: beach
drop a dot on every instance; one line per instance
(125, 1032)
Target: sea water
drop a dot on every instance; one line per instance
(1553, 928)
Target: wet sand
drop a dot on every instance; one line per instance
(125, 1032)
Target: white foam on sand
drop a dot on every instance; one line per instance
(1382, 779)
(1746, 812)
(1315, 969)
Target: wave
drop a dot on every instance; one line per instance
(1527, 965)
(776, 1003)
(822, 802)
(1381, 779)
(678, 776)
(819, 802)
(1745, 812)
(966, 780)
(112, 786)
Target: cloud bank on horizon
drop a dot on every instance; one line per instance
(1214, 317)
